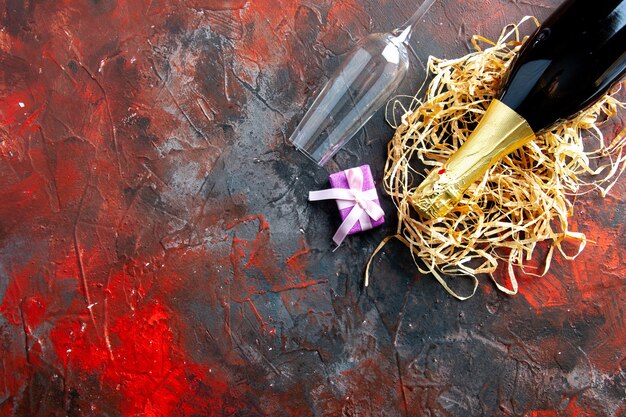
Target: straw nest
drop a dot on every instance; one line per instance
(523, 202)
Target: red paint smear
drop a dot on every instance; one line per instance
(261, 256)
(567, 283)
(34, 309)
(13, 365)
(145, 364)
(368, 390)
(22, 305)
(572, 410)
(137, 359)
(273, 21)
(14, 108)
(23, 198)
(544, 293)
(258, 255)
(268, 17)
(298, 262)
(585, 287)
(28, 124)
(543, 414)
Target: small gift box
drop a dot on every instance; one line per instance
(357, 201)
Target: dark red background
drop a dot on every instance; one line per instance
(158, 256)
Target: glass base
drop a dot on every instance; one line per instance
(308, 155)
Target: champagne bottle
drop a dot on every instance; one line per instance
(570, 62)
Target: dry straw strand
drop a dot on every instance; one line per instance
(524, 200)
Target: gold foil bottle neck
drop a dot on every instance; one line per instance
(500, 132)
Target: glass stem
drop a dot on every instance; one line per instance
(404, 32)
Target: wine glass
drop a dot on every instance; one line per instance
(364, 82)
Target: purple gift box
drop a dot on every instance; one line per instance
(340, 180)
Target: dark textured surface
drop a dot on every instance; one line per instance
(158, 256)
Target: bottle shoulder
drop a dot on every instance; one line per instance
(574, 58)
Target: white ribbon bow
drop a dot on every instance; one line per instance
(362, 203)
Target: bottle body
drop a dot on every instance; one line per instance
(572, 60)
